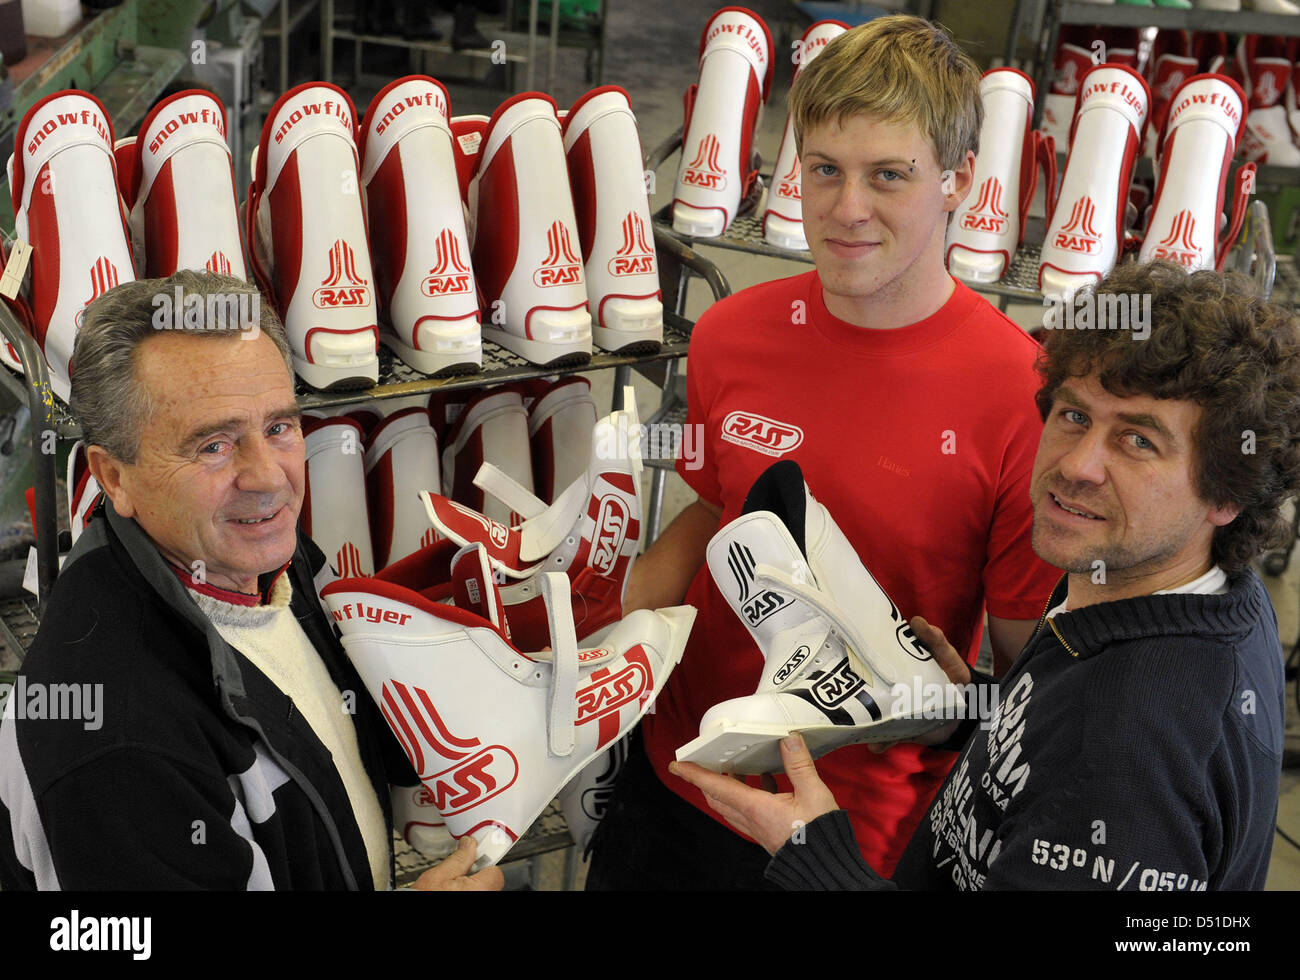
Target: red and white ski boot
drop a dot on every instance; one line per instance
(603, 152)
(560, 422)
(783, 219)
(525, 237)
(419, 244)
(334, 503)
(1267, 138)
(840, 663)
(63, 185)
(492, 428)
(1171, 71)
(401, 460)
(494, 732)
(181, 193)
(1086, 231)
(307, 236)
(986, 230)
(722, 112)
(1205, 121)
(467, 139)
(592, 531)
(1072, 63)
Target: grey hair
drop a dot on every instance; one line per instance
(107, 398)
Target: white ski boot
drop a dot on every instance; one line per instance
(841, 664)
(492, 731)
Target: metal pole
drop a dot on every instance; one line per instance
(532, 42)
(555, 45)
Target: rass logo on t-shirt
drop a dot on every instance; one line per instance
(760, 433)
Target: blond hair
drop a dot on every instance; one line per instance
(900, 69)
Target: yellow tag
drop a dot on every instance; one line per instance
(15, 269)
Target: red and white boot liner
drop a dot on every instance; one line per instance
(401, 460)
(592, 531)
(840, 663)
(525, 237)
(986, 230)
(182, 190)
(420, 247)
(1205, 121)
(495, 732)
(467, 140)
(307, 236)
(1072, 63)
(491, 428)
(1086, 232)
(334, 505)
(63, 184)
(560, 423)
(1267, 138)
(722, 112)
(783, 219)
(603, 151)
(1171, 71)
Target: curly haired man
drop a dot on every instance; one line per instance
(1139, 740)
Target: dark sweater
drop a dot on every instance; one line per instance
(1138, 746)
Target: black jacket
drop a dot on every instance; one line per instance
(198, 771)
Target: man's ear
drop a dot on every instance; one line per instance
(1219, 516)
(110, 473)
(957, 183)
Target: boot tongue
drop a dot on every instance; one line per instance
(781, 490)
(466, 526)
(473, 590)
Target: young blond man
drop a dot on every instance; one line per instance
(907, 401)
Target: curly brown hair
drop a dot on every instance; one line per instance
(1214, 342)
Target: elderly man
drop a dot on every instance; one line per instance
(1139, 740)
(236, 748)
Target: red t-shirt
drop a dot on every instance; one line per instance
(919, 441)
